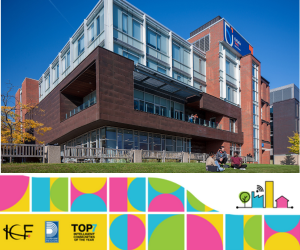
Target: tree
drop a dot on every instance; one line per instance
(244, 197)
(288, 160)
(13, 128)
(294, 140)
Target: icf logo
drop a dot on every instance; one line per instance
(10, 232)
(51, 232)
(228, 34)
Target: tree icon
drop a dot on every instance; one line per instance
(244, 197)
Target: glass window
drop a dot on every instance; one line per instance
(63, 63)
(91, 33)
(138, 94)
(125, 23)
(136, 30)
(176, 52)
(131, 57)
(98, 25)
(68, 60)
(80, 45)
(164, 111)
(164, 43)
(111, 133)
(151, 38)
(149, 97)
(186, 58)
(136, 104)
(149, 107)
(228, 94)
(161, 70)
(158, 42)
(120, 139)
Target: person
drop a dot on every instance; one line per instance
(221, 156)
(191, 118)
(236, 162)
(211, 162)
(195, 117)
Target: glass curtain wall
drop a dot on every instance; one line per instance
(146, 102)
(255, 111)
(117, 138)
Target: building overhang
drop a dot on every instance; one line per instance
(161, 82)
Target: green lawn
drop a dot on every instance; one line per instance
(149, 167)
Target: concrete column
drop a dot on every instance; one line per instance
(53, 154)
(185, 157)
(60, 66)
(170, 54)
(192, 65)
(108, 24)
(86, 41)
(137, 156)
(144, 40)
(51, 74)
(71, 54)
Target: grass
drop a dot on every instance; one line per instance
(147, 167)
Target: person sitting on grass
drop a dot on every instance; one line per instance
(221, 156)
(236, 162)
(211, 162)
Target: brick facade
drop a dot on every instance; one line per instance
(29, 95)
(115, 107)
(212, 57)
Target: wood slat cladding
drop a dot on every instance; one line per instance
(115, 107)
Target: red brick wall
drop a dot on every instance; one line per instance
(17, 102)
(212, 57)
(247, 102)
(30, 93)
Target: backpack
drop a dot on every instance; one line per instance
(212, 168)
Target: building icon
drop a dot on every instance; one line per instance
(282, 202)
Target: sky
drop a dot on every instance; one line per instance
(33, 32)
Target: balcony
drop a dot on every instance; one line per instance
(82, 107)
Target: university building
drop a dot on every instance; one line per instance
(284, 120)
(124, 81)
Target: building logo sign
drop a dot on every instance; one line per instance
(13, 232)
(236, 41)
(51, 231)
(84, 232)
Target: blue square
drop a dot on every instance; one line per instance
(51, 231)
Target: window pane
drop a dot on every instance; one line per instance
(158, 42)
(136, 30)
(136, 104)
(149, 97)
(68, 59)
(138, 94)
(111, 133)
(98, 25)
(125, 23)
(143, 137)
(133, 58)
(149, 107)
(111, 144)
(91, 33)
(128, 136)
(164, 43)
(161, 70)
(186, 58)
(142, 106)
(176, 52)
(151, 38)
